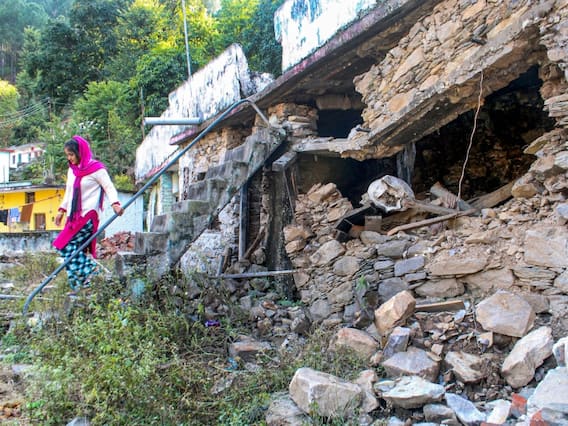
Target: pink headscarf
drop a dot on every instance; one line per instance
(87, 164)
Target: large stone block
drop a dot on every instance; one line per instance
(547, 246)
(324, 393)
(505, 313)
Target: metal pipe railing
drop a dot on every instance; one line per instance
(141, 191)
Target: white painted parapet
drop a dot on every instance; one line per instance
(211, 90)
(302, 26)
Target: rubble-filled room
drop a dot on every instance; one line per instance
(507, 122)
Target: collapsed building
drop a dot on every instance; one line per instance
(463, 101)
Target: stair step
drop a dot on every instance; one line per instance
(196, 207)
(232, 171)
(206, 190)
(150, 243)
(240, 153)
(184, 234)
(128, 264)
(160, 223)
(173, 233)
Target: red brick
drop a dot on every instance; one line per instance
(518, 405)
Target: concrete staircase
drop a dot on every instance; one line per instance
(158, 251)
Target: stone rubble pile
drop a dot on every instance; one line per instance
(110, 246)
(499, 359)
(494, 355)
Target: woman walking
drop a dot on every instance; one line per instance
(87, 183)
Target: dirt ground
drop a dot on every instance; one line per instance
(11, 396)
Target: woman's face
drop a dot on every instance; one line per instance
(71, 157)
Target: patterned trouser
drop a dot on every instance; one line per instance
(81, 266)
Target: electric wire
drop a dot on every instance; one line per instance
(16, 116)
(472, 134)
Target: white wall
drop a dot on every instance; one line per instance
(4, 167)
(209, 91)
(302, 26)
(131, 221)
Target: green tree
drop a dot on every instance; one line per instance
(9, 115)
(262, 50)
(61, 73)
(234, 19)
(72, 54)
(140, 28)
(15, 16)
(203, 34)
(54, 163)
(93, 22)
(55, 8)
(157, 74)
(39, 108)
(107, 117)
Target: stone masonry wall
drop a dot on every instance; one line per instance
(521, 246)
(208, 152)
(434, 72)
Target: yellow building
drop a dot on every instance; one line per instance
(27, 207)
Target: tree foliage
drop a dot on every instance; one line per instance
(8, 107)
(105, 113)
(157, 74)
(140, 28)
(99, 66)
(262, 50)
(235, 19)
(15, 16)
(203, 34)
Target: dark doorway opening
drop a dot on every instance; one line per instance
(352, 177)
(337, 123)
(509, 120)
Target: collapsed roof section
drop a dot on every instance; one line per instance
(450, 60)
(350, 46)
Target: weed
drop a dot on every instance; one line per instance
(153, 360)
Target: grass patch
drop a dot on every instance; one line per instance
(149, 361)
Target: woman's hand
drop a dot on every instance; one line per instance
(118, 210)
(59, 218)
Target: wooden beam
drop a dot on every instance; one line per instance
(427, 222)
(446, 305)
(428, 207)
(493, 198)
(243, 221)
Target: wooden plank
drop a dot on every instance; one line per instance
(256, 274)
(493, 198)
(446, 305)
(431, 221)
(428, 207)
(243, 221)
(255, 243)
